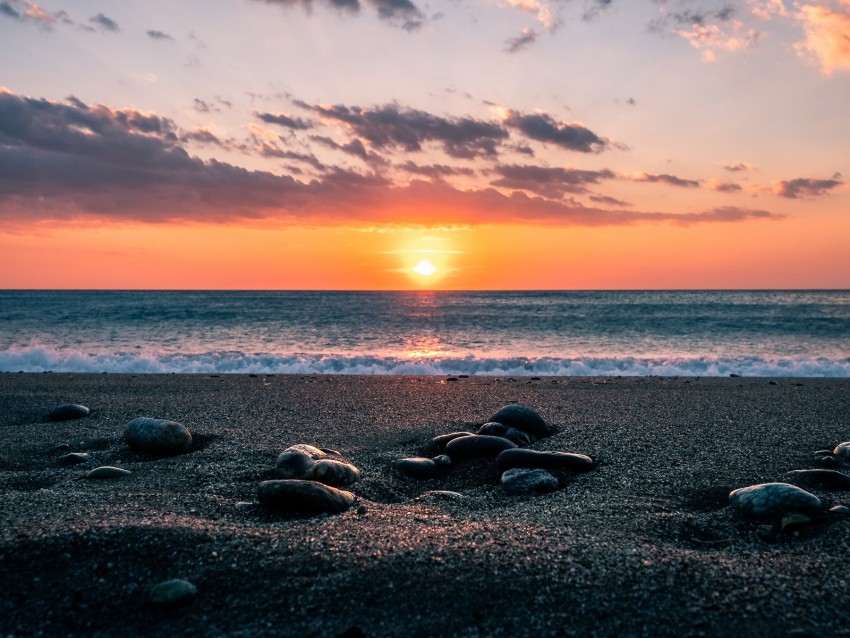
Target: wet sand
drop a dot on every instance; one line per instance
(644, 545)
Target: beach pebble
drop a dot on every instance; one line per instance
(493, 428)
(773, 500)
(291, 495)
(73, 458)
(528, 481)
(423, 468)
(444, 439)
(820, 478)
(172, 592)
(523, 418)
(510, 459)
(840, 510)
(842, 451)
(477, 446)
(67, 412)
(439, 495)
(107, 472)
(303, 461)
(157, 436)
(513, 435)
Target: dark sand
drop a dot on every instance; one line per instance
(642, 546)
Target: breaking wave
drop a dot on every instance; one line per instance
(43, 359)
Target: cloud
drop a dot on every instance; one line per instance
(158, 35)
(542, 11)
(401, 13)
(32, 13)
(394, 126)
(526, 38)
(738, 167)
(805, 187)
(543, 128)
(287, 121)
(553, 183)
(64, 161)
(708, 30)
(609, 201)
(436, 171)
(104, 22)
(767, 9)
(723, 187)
(355, 148)
(670, 180)
(827, 32)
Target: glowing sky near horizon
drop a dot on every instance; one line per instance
(340, 144)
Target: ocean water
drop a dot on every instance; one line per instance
(702, 333)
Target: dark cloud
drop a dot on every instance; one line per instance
(158, 35)
(543, 128)
(104, 22)
(394, 126)
(522, 41)
(670, 180)
(355, 147)
(724, 187)
(738, 167)
(33, 13)
(402, 13)
(270, 149)
(436, 171)
(287, 121)
(8, 10)
(609, 201)
(805, 187)
(65, 161)
(631, 102)
(596, 7)
(553, 183)
(201, 136)
(700, 16)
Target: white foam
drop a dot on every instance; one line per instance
(39, 358)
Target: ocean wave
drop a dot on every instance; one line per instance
(43, 359)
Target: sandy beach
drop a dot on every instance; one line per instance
(643, 545)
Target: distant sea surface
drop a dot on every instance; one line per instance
(702, 333)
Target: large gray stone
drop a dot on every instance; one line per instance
(523, 418)
(160, 437)
(773, 500)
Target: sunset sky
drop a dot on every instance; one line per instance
(507, 144)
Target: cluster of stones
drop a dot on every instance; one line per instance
(309, 481)
(787, 506)
(503, 438)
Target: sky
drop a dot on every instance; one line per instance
(412, 144)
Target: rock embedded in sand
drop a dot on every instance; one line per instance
(68, 411)
(510, 459)
(842, 452)
(423, 468)
(108, 472)
(820, 478)
(159, 437)
(303, 461)
(292, 495)
(523, 418)
(521, 480)
(444, 439)
(767, 500)
(171, 593)
(73, 458)
(477, 446)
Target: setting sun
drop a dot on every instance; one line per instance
(424, 268)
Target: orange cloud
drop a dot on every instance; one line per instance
(827, 35)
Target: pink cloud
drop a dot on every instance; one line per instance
(827, 35)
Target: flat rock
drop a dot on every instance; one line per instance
(73, 458)
(172, 592)
(477, 446)
(291, 495)
(444, 439)
(422, 468)
(831, 479)
(159, 437)
(67, 412)
(333, 472)
(767, 500)
(108, 472)
(510, 459)
(521, 480)
(523, 418)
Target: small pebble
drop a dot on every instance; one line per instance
(439, 495)
(107, 472)
(73, 458)
(443, 440)
(421, 468)
(840, 510)
(528, 481)
(842, 451)
(67, 412)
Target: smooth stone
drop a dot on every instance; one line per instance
(107, 472)
(821, 478)
(794, 521)
(303, 461)
(510, 459)
(444, 439)
(172, 592)
(157, 436)
(773, 500)
(68, 411)
(422, 468)
(517, 436)
(291, 495)
(840, 510)
(443, 495)
(829, 461)
(500, 429)
(333, 472)
(521, 480)
(73, 458)
(842, 451)
(523, 418)
(493, 428)
(477, 446)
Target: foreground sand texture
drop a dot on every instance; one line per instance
(644, 545)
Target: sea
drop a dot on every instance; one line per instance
(576, 333)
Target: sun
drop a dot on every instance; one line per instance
(424, 268)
